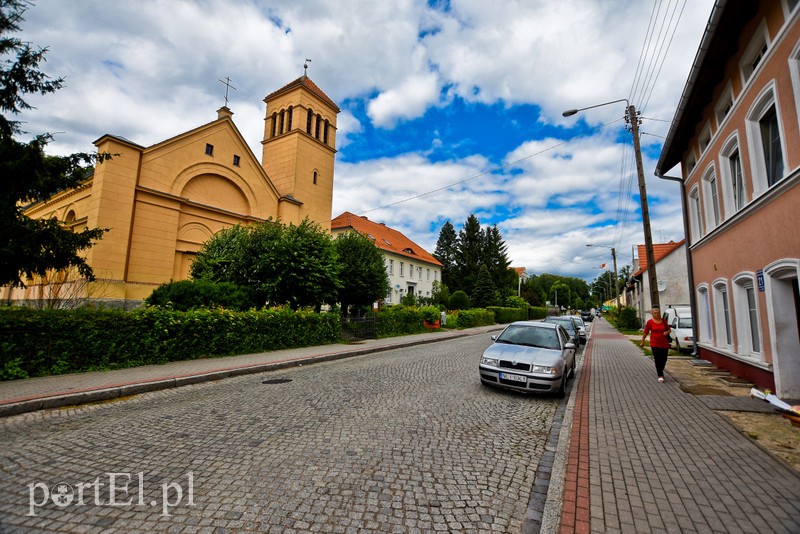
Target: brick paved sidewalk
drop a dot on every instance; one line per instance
(660, 460)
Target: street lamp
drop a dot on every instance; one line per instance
(632, 117)
(616, 276)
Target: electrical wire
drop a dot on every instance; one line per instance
(669, 45)
(484, 173)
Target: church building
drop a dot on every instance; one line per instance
(160, 203)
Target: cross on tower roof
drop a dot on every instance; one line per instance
(227, 82)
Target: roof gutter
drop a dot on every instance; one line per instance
(699, 59)
(689, 264)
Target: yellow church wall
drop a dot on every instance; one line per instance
(111, 206)
(317, 198)
(160, 203)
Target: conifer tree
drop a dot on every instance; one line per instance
(32, 247)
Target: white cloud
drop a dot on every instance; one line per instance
(148, 71)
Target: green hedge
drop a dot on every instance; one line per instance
(537, 313)
(40, 343)
(474, 317)
(399, 320)
(508, 315)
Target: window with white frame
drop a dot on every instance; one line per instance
(704, 314)
(691, 162)
(748, 329)
(794, 71)
(722, 315)
(705, 138)
(419, 273)
(695, 219)
(764, 131)
(428, 275)
(724, 104)
(411, 270)
(732, 176)
(789, 6)
(711, 199)
(401, 268)
(754, 53)
(390, 268)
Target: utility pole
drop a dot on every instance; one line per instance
(633, 118)
(616, 276)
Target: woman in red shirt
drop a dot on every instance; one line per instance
(658, 330)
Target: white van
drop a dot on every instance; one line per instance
(679, 319)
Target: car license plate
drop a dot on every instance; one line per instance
(514, 378)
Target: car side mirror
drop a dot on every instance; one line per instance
(569, 345)
(494, 338)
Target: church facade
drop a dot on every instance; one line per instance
(162, 202)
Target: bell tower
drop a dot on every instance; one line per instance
(299, 149)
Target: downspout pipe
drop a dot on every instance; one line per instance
(689, 265)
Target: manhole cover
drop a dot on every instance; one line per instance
(277, 381)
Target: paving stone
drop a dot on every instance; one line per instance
(391, 441)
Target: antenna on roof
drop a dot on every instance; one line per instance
(305, 67)
(227, 82)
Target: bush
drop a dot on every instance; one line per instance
(49, 342)
(628, 319)
(537, 313)
(459, 301)
(186, 295)
(508, 315)
(399, 320)
(430, 314)
(476, 317)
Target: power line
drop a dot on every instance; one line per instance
(484, 173)
(666, 51)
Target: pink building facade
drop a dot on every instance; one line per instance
(736, 138)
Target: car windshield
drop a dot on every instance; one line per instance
(530, 336)
(566, 323)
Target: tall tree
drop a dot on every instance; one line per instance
(32, 247)
(495, 254)
(469, 256)
(295, 265)
(446, 250)
(363, 272)
(485, 292)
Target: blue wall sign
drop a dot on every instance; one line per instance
(760, 278)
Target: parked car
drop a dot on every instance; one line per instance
(530, 356)
(569, 325)
(581, 327)
(679, 319)
(587, 316)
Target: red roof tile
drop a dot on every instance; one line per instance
(306, 82)
(385, 238)
(660, 251)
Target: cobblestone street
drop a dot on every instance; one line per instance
(399, 441)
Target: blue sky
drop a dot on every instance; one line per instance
(461, 98)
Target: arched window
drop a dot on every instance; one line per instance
(274, 123)
(319, 122)
(315, 177)
(283, 119)
(289, 126)
(70, 217)
(325, 132)
(309, 120)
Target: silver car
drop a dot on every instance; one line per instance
(569, 324)
(530, 356)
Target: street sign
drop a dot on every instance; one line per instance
(760, 278)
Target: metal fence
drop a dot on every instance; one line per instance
(359, 328)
